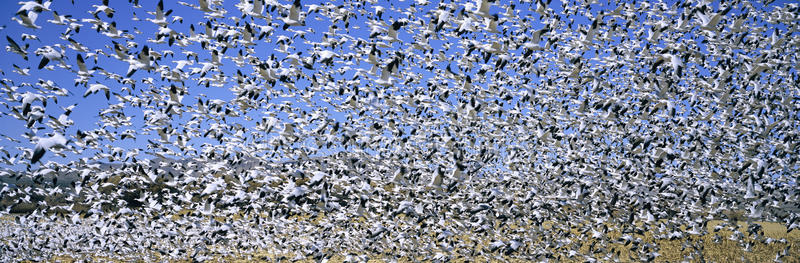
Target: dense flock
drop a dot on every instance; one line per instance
(418, 130)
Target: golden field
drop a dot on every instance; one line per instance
(715, 246)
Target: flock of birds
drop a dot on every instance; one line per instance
(424, 129)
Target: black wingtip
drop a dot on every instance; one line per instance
(26, 109)
(44, 62)
(37, 154)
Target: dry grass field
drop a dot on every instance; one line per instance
(716, 246)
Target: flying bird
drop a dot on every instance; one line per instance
(55, 141)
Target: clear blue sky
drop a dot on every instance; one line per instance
(85, 114)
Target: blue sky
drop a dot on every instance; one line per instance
(85, 115)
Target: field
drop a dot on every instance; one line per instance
(716, 246)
